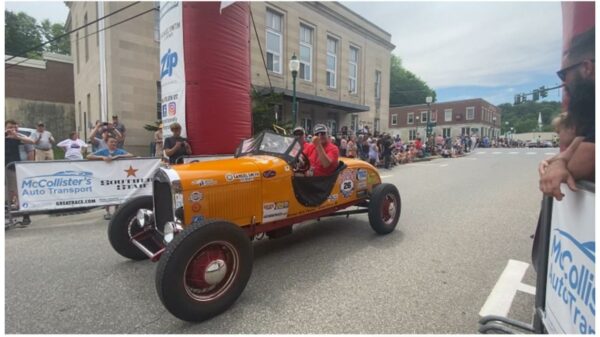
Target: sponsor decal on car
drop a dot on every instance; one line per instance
(196, 207)
(361, 185)
(196, 196)
(287, 168)
(269, 174)
(197, 218)
(332, 197)
(243, 177)
(346, 187)
(362, 174)
(273, 211)
(204, 182)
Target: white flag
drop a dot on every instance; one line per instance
(225, 4)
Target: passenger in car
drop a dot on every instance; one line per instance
(322, 154)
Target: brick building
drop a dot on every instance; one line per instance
(41, 90)
(472, 116)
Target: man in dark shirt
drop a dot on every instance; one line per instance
(12, 140)
(176, 146)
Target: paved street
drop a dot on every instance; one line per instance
(462, 220)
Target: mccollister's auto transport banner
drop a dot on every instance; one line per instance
(571, 282)
(172, 66)
(71, 184)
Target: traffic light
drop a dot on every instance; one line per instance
(517, 99)
(536, 95)
(543, 91)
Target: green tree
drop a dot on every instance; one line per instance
(51, 31)
(405, 87)
(21, 34)
(524, 117)
(263, 116)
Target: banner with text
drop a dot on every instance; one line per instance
(71, 184)
(571, 279)
(172, 66)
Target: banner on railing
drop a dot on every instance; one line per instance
(571, 281)
(69, 184)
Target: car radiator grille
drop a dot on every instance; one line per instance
(163, 203)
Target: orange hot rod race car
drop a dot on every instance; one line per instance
(202, 217)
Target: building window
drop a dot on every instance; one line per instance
(410, 118)
(412, 134)
(307, 125)
(465, 131)
(448, 115)
(446, 132)
(470, 113)
(274, 41)
(377, 84)
(376, 127)
(77, 49)
(434, 116)
(85, 31)
(395, 119)
(354, 123)
(331, 61)
(353, 70)
(278, 111)
(306, 43)
(98, 23)
(82, 125)
(423, 117)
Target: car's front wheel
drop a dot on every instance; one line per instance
(124, 225)
(384, 208)
(204, 270)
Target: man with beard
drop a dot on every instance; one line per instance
(578, 160)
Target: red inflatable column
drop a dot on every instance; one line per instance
(217, 72)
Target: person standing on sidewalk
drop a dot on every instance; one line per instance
(116, 125)
(12, 140)
(43, 141)
(73, 146)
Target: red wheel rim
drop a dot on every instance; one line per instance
(388, 209)
(211, 270)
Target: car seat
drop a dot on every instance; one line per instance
(313, 191)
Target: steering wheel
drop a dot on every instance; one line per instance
(302, 164)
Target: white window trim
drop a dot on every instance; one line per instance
(394, 119)
(446, 119)
(351, 63)
(467, 113)
(409, 116)
(269, 30)
(333, 71)
(423, 120)
(309, 46)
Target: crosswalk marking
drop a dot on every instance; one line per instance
(531, 153)
(496, 152)
(513, 152)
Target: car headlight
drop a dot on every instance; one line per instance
(143, 216)
(171, 228)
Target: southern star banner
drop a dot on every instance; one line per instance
(571, 282)
(172, 66)
(72, 184)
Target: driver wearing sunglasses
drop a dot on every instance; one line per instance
(322, 154)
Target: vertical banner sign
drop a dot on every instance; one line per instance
(571, 282)
(72, 184)
(172, 66)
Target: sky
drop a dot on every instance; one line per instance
(489, 50)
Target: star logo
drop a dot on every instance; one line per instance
(131, 171)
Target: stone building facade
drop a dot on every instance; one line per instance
(344, 77)
(472, 116)
(116, 71)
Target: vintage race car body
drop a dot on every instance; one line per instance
(201, 217)
(255, 191)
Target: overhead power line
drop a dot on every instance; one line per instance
(23, 53)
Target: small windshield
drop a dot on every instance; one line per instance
(268, 143)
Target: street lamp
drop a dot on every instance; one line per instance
(429, 99)
(416, 127)
(494, 129)
(294, 67)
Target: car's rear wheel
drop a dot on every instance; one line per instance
(124, 225)
(204, 270)
(384, 208)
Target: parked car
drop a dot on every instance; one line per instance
(26, 132)
(202, 217)
(546, 143)
(530, 143)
